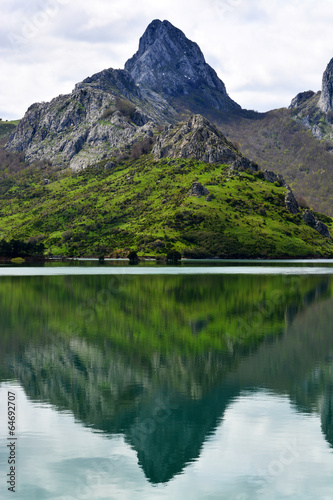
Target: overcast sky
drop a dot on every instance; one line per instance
(265, 51)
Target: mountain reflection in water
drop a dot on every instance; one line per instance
(160, 358)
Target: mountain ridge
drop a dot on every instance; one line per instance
(86, 126)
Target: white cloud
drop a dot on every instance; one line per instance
(265, 52)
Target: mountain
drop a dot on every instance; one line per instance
(150, 155)
(114, 109)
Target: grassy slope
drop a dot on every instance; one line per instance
(144, 205)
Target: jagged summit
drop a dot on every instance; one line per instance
(169, 63)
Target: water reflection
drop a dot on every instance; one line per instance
(161, 359)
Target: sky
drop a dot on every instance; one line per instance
(265, 51)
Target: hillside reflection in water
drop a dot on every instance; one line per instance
(221, 385)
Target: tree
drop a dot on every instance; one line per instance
(133, 257)
(174, 257)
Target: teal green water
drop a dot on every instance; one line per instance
(169, 385)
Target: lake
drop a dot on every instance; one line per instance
(207, 380)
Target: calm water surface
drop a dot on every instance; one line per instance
(200, 381)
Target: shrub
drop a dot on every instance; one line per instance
(107, 113)
(67, 235)
(196, 253)
(302, 202)
(174, 256)
(17, 248)
(125, 107)
(133, 256)
(141, 148)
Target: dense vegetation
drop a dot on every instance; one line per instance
(16, 248)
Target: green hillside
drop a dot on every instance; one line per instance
(146, 206)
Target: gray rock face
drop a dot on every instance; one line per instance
(291, 202)
(316, 224)
(309, 218)
(322, 229)
(273, 177)
(198, 190)
(79, 129)
(94, 122)
(326, 98)
(241, 164)
(169, 63)
(197, 138)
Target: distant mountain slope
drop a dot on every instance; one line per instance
(296, 142)
(279, 140)
(6, 128)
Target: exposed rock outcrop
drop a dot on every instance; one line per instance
(273, 177)
(241, 164)
(196, 138)
(326, 98)
(309, 218)
(322, 229)
(80, 129)
(291, 202)
(198, 190)
(316, 224)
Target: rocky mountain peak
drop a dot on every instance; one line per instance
(169, 63)
(163, 32)
(326, 98)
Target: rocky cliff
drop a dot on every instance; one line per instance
(326, 98)
(103, 116)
